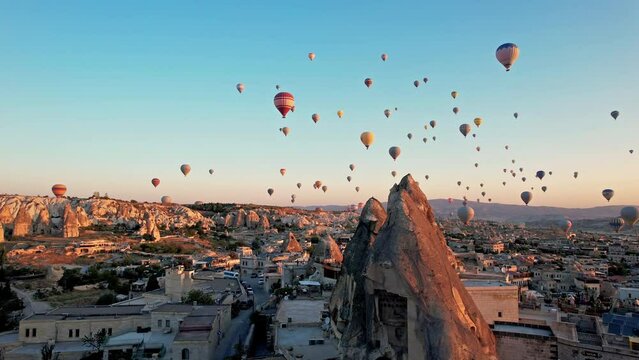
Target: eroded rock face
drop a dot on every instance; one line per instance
(291, 244)
(1, 233)
(252, 219)
(22, 223)
(264, 223)
(347, 305)
(239, 218)
(149, 226)
(414, 305)
(83, 218)
(71, 227)
(327, 250)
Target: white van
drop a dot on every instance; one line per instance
(231, 275)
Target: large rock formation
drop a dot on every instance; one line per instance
(415, 305)
(252, 219)
(327, 251)
(42, 225)
(71, 226)
(264, 223)
(1, 233)
(149, 226)
(22, 223)
(83, 218)
(347, 305)
(291, 244)
(240, 217)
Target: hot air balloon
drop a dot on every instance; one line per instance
(434, 138)
(240, 87)
(513, 174)
(481, 184)
(478, 121)
(504, 171)
(427, 177)
(416, 83)
(425, 80)
(575, 174)
(368, 82)
(513, 161)
(455, 110)
(459, 183)
(367, 138)
(340, 113)
(425, 140)
(324, 188)
(490, 200)
(166, 200)
(352, 167)
(185, 169)
(521, 169)
(384, 57)
(516, 115)
(467, 187)
(616, 223)
(394, 152)
(410, 136)
(277, 87)
(454, 94)
(478, 148)
(211, 171)
(357, 188)
(284, 102)
(348, 178)
(523, 179)
(464, 129)
(285, 131)
(631, 151)
(608, 194)
(503, 183)
(483, 193)
(540, 174)
(315, 118)
(526, 196)
(299, 185)
(474, 135)
(292, 200)
(614, 114)
(283, 172)
(550, 173)
(544, 188)
(155, 182)
(630, 215)
(506, 147)
(394, 173)
(565, 225)
(270, 191)
(465, 214)
(476, 164)
(433, 123)
(507, 54)
(311, 56)
(387, 113)
(59, 190)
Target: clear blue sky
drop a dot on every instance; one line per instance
(103, 96)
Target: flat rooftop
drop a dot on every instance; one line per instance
(521, 329)
(298, 337)
(300, 311)
(484, 283)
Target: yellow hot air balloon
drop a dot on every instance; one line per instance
(478, 121)
(367, 138)
(340, 113)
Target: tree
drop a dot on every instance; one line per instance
(96, 341)
(106, 299)
(153, 283)
(199, 296)
(47, 352)
(70, 278)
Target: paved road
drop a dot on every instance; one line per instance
(31, 306)
(240, 325)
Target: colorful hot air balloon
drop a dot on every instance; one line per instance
(352, 167)
(155, 182)
(387, 113)
(285, 131)
(340, 113)
(614, 114)
(608, 194)
(455, 110)
(315, 118)
(478, 121)
(616, 223)
(59, 190)
(311, 56)
(394, 152)
(416, 83)
(349, 178)
(630, 215)
(324, 188)
(368, 82)
(393, 173)
(185, 169)
(540, 174)
(166, 200)
(384, 57)
(211, 171)
(284, 102)
(465, 214)
(507, 54)
(317, 184)
(299, 185)
(367, 138)
(464, 129)
(526, 196)
(433, 123)
(283, 171)
(454, 94)
(240, 87)
(565, 225)
(544, 188)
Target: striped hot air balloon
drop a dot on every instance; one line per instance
(616, 223)
(284, 102)
(507, 54)
(59, 190)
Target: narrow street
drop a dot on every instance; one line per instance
(31, 306)
(240, 325)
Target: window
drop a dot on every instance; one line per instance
(499, 314)
(77, 332)
(26, 333)
(167, 323)
(185, 354)
(33, 332)
(160, 323)
(70, 333)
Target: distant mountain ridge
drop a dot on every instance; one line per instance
(510, 213)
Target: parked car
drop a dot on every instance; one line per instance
(253, 275)
(260, 282)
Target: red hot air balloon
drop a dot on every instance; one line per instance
(155, 182)
(59, 190)
(368, 82)
(284, 102)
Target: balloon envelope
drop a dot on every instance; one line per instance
(630, 215)
(270, 191)
(394, 152)
(284, 102)
(464, 129)
(155, 182)
(166, 200)
(59, 190)
(465, 214)
(507, 54)
(185, 169)
(368, 82)
(367, 138)
(614, 114)
(526, 196)
(608, 194)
